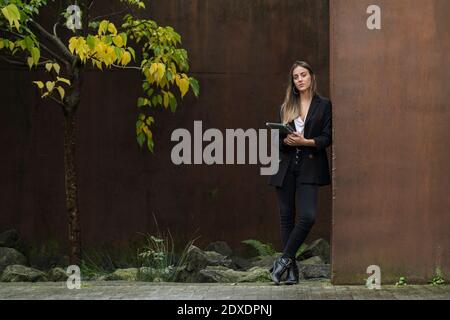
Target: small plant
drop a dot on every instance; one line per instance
(264, 249)
(157, 258)
(401, 282)
(438, 278)
(96, 263)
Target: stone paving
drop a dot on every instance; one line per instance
(305, 290)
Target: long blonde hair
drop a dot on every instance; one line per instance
(290, 108)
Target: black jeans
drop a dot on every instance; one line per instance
(294, 234)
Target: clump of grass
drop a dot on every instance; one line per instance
(96, 263)
(438, 278)
(157, 258)
(402, 281)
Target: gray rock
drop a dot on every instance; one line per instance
(10, 256)
(57, 274)
(246, 251)
(313, 260)
(218, 274)
(220, 247)
(239, 263)
(320, 248)
(11, 239)
(256, 274)
(225, 275)
(197, 259)
(312, 271)
(18, 273)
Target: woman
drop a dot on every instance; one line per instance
(303, 165)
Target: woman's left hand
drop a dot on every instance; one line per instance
(295, 139)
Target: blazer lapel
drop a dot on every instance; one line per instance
(312, 108)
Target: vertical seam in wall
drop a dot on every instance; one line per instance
(333, 155)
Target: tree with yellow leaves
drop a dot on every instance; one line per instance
(94, 42)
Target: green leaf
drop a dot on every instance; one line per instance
(90, 40)
(29, 44)
(133, 54)
(150, 145)
(172, 102)
(140, 139)
(35, 54)
(195, 86)
(142, 102)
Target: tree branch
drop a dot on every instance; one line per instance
(110, 14)
(14, 62)
(125, 67)
(55, 40)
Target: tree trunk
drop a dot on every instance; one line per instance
(71, 189)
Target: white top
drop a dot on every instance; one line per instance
(299, 124)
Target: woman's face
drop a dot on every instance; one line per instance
(301, 78)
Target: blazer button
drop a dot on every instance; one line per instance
(311, 156)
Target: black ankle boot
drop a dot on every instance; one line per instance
(293, 274)
(280, 266)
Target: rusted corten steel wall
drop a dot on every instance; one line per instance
(241, 52)
(391, 179)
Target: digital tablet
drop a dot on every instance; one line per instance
(284, 128)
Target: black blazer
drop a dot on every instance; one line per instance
(314, 165)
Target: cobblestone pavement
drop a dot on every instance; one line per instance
(306, 290)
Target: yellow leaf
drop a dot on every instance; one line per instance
(50, 85)
(30, 62)
(161, 71)
(118, 41)
(126, 58)
(112, 29)
(72, 44)
(61, 92)
(12, 14)
(48, 66)
(153, 68)
(40, 84)
(11, 45)
(99, 65)
(102, 28)
(56, 67)
(2, 45)
(183, 84)
(67, 81)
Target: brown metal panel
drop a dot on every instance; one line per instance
(240, 51)
(390, 174)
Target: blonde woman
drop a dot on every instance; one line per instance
(303, 165)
